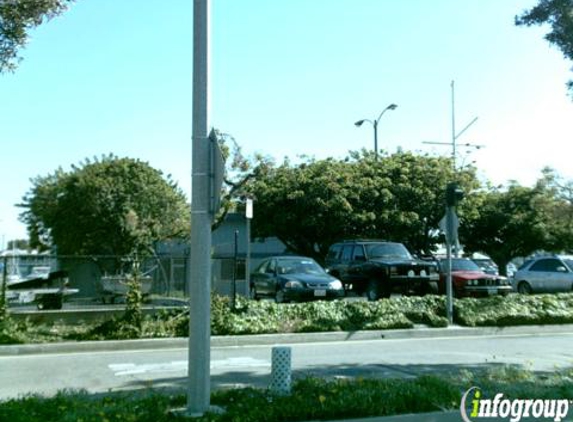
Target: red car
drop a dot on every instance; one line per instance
(468, 280)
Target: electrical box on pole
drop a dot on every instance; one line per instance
(216, 173)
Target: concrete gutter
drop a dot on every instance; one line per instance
(272, 339)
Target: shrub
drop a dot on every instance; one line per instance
(515, 310)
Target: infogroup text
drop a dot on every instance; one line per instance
(474, 406)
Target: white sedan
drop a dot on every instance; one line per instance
(548, 274)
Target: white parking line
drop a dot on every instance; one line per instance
(123, 369)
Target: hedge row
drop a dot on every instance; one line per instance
(265, 317)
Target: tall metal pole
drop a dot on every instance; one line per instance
(449, 240)
(375, 125)
(376, 139)
(453, 130)
(235, 261)
(3, 302)
(454, 138)
(249, 217)
(199, 388)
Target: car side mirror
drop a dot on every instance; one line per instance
(561, 269)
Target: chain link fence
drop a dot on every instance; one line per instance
(103, 278)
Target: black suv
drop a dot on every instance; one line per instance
(378, 268)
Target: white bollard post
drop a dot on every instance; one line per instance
(281, 370)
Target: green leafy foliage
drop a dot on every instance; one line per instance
(17, 18)
(265, 317)
(240, 172)
(318, 399)
(398, 197)
(12, 332)
(558, 15)
(513, 222)
(311, 399)
(75, 406)
(112, 206)
(515, 310)
(133, 316)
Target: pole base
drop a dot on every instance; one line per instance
(184, 412)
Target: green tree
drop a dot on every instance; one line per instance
(559, 15)
(240, 172)
(17, 18)
(111, 206)
(19, 244)
(311, 205)
(562, 210)
(511, 223)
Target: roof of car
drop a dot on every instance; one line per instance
(367, 241)
(288, 257)
(545, 256)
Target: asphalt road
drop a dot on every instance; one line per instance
(101, 371)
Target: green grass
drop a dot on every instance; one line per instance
(311, 399)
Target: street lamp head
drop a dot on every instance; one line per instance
(359, 122)
(392, 106)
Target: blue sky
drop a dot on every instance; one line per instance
(288, 78)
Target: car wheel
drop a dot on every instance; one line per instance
(253, 293)
(430, 288)
(280, 296)
(524, 288)
(372, 291)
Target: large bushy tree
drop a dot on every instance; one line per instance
(311, 205)
(512, 222)
(558, 14)
(17, 18)
(111, 206)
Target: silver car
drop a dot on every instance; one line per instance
(548, 274)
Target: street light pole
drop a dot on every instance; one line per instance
(374, 124)
(199, 351)
(248, 217)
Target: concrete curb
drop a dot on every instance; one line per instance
(272, 339)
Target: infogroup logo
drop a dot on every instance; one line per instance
(474, 406)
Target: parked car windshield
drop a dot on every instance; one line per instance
(569, 263)
(388, 250)
(461, 265)
(525, 264)
(299, 266)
